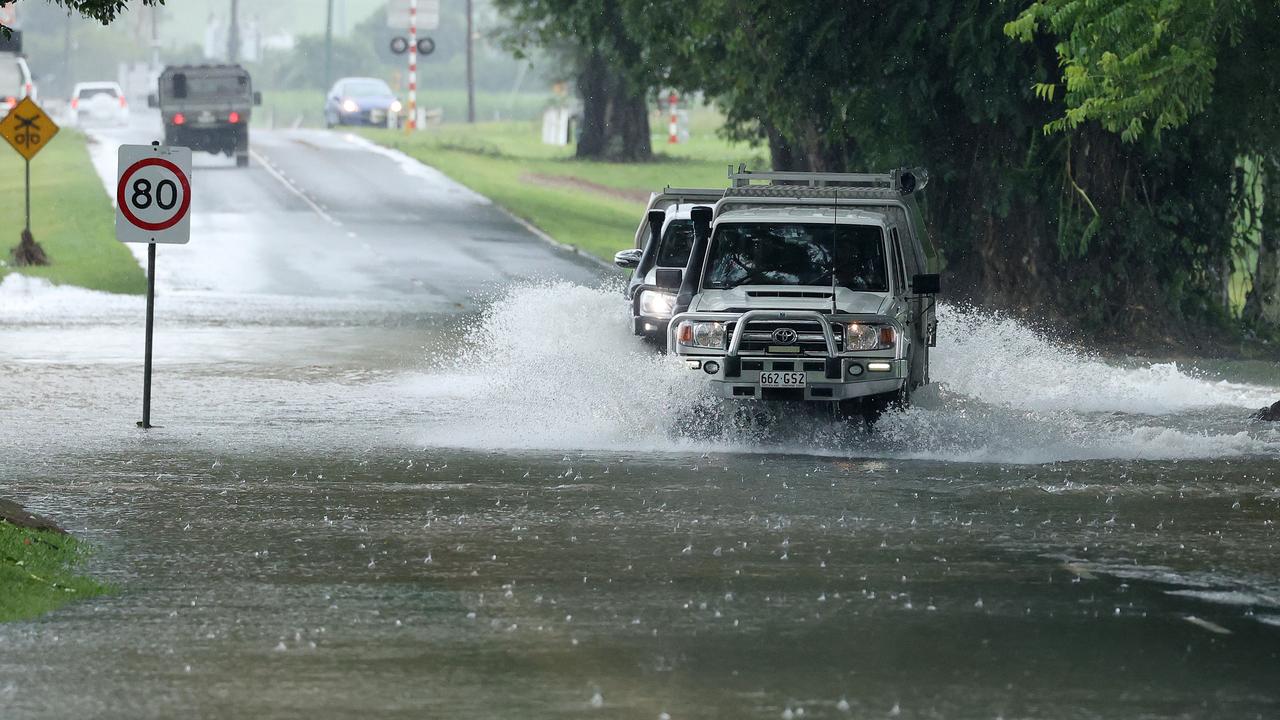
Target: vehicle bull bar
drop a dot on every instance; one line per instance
(742, 320)
(758, 315)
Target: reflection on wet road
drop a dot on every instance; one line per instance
(476, 496)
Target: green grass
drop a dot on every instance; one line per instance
(71, 218)
(284, 107)
(38, 572)
(507, 163)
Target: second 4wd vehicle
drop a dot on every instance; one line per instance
(810, 287)
(207, 108)
(662, 246)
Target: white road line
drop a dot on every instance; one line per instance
(266, 165)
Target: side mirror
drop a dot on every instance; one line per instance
(668, 278)
(153, 101)
(926, 284)
(627, 259)
(257, 97)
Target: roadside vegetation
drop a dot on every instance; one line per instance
(38, 572)
(71, 218)
(591, 205)
(1082, 154)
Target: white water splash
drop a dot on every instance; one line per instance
(554, 366)
(997, 360)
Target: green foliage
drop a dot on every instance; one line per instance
(1122, 210)
(1134, 66)
(104, 11)
(38, 572)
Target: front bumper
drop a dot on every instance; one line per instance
(826, 379)
(829, 376)
(375, 117)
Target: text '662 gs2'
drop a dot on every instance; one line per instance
(792, 286)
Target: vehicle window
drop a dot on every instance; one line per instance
(10, 78)
(899, 270)
(366, 88)
(187, 85)
(797, 254)
(677, 241)
(86, 93)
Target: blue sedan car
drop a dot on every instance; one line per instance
(359, 101)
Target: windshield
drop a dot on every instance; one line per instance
(86, 93)
(10, 78)
(676, 243)
(221, 86)
(797, 254)
(366, 88)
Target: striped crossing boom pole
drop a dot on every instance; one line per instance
(673, 136)
(413, 65)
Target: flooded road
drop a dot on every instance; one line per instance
(466, 497)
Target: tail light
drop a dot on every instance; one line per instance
(179, 119)
(11, 102)
(234, 117)
(75, 103)
(123, 103)
(27, 87)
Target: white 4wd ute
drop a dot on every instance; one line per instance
(809, 286)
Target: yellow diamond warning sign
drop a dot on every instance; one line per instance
(27, 128)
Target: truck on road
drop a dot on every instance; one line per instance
(207, 108)
(812, 287)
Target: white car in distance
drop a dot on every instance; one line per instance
(99, 103)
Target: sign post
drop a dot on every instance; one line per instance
(153, 206)
(28, 130)
(417, 15)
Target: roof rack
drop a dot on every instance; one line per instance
(786, 184)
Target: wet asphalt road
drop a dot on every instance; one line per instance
(411, 465)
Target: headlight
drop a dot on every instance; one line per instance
(396, 106)
(702, 334)
(656, 304)
(350, 106)
(859, 337)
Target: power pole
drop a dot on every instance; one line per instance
(233, 33)
(328, 46)
(67, 78)
(471, 77)
(155, 40)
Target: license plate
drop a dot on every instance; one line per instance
(782, 379)
(205, 117)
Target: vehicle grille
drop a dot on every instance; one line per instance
(757, 339)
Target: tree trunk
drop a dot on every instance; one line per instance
(615, 116)
(1263, 304)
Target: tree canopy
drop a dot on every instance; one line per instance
(104, 11)
(1084, 153)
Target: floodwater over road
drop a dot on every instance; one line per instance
(467, 497)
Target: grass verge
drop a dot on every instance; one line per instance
(38, 572)
(71, 217)
(595, 206)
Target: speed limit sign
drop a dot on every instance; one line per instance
(153, 194)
